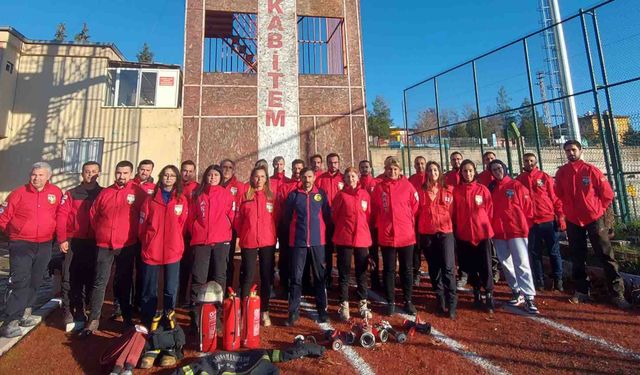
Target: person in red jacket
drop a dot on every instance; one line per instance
(315, 162)
(162, 219)
(548, 219)
(284, 268)
(114, 218)
(368, 183)
(143, 177)
(472, 212)
(256, 228)
(452, 178)
(417, 180)
(278, 177)
(28, 217)
(485, 177)
(395, 203)
(436, 234)
(586, 194)
(78, 243)
(189, 187)
(237, 189)
(350, 214)
(512, 212)
(331, 182)
(211, 217)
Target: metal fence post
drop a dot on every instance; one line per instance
(613, 130)
(594, 88)
(435, 91)
(533, 108)
(406, 130)
(475, 90)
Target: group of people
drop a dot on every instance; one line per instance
(189, 230)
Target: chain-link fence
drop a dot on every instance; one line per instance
(576, 79)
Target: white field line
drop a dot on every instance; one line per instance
(352, 356)
(457, 347)
(572, 331)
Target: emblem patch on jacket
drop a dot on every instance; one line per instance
(51, 198)
(478, 199)
(141, 217)
(234, 191)
(510, 193)
(340, 185)
(178, 209)
(448, 199)
(131, 198)
(586, 180)
(63, 200)
(364, 205)
(269, 207)
(203, 209)
(385, 201)
(317, 197)
(539, 182)
(150, 191)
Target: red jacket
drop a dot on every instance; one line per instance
(276, 181)
(395, 204)
(211, 216)
(512, 209)
(330, 184)
(417, 180)
(74, 220)
(452, 178)
(368, 183)
(318, 173)
(147, 186)
(350, 214)
(546, 205)
(30, 215)
(115, 214)
(472, 212)
(435, 215)
(485, 178)
(237, 190)
(160, 229)
(189, 189)
(584, 192)
(256, 221)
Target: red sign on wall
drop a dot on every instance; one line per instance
(167, 81)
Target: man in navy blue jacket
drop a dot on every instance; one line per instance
(307, 210)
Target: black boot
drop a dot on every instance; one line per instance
(440, 304)
(489, 302)
(477, 301)
(453, 305)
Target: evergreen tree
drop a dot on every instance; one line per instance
(61, 33)
(82, 36)
(145, 55)
(379, 120)
(527, 127)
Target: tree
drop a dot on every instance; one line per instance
(379, 119)
(145, 55)
(426, 120)
(61, 33)
(82, 36)
(527, 126)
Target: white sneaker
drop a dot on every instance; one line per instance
(266, 321)
(516, 299)
(363, 308)
(530, 307)
(343, 311)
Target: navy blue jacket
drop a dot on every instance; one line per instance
(307, 215)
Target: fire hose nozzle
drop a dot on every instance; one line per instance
(367, 340)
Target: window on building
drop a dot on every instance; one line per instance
(230, 44)
(320, 45)
(81, 150)
(131, 87)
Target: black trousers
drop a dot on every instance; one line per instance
(78, 273)
(599, 238)
(28, 262)
(439, 250)
(361, 262)
(138, 281)
(267, 256)
(476, 261)
(124, 259)
(284, 267)
(186, 263)
(329, 250)
(417, 255)
(374, 255)
(405, 257)
(298, 258)
(231, 266)
(150, 277)
(209, 263)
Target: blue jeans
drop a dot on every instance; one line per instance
(150, 289)
(539, 233)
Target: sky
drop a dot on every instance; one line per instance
(404, 41)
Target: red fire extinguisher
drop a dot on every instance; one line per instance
(208, 334)
(231, 318)
(251, 320)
